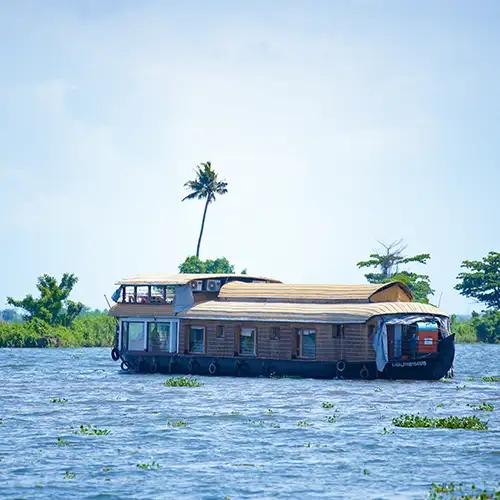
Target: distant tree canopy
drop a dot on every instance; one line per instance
(482, 280)
(387, 264)
(195, 265)
(53, 306)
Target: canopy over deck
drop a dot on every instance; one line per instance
(303, 312)
(185, 278)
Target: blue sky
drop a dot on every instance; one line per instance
(336, 124)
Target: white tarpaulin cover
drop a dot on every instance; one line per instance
(379, 341)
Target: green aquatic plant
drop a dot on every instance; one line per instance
(440, 405)
(414, 421)
(331, 419)
(182, 382)
(177, 423)
(304, 423)
(385, 430)
(235, 413)
(62, 442)
(148, 466)
(327, 405)
(490, 379)
(461, 491)
(106, 468)
(69, 475)
(269, 412)
(460, 387)
(257, 423)
(59, 400)
(481, 407)
(366, 472)
(91, 430)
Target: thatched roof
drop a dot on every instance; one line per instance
(237, 290)
(303, 313)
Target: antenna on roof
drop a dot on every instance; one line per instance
(109, 305)
(439, 301)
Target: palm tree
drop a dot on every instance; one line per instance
(205, 186)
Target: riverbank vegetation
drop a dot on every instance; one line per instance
(89, 329)
(53, 320)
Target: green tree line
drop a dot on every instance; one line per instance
(53, 320)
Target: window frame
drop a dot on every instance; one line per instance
(255, 330)
(219, 332)
(144, 333)
(204, 345)
(174, 332)
(300, 333)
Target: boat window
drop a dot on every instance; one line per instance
(134, 334)
(129, 294)
(142, 295)
(159, 336)
(247, 341)
(157, 295)
(275, 333)
(197, 339)
(306, 343)
(219, 332)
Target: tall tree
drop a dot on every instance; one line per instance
(53, 306)
(388, 265)
(482, 280)
(204, 187)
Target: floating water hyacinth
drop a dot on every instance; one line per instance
(469, 423)
(69, 475)
(182, 382)
(327, 405)
(304, 423)
(482, 407)
(460, 490)
(148, 466)
(61, 442)
(59, 400)
(91, 430)
(177, 423)
(490, 379)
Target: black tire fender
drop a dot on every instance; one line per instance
(115, 354)
(212, 368)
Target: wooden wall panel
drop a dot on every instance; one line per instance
(354, 346)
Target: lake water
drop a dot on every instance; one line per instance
(261, 438)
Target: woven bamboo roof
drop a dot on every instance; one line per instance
(184, 278)
(304, 313)
(286, 292)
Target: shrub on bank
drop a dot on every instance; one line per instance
(93, 329)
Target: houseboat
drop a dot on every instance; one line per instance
(243, 325)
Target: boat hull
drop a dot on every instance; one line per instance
(426, 369)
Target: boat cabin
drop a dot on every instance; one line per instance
(230, 324)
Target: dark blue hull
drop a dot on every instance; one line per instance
(422, 369)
